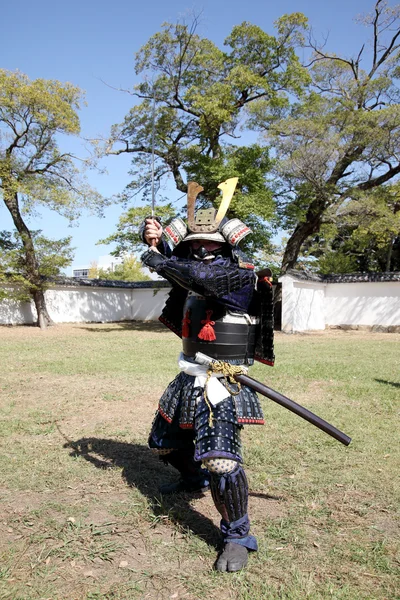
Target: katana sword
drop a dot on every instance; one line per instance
(279, 398)
(153, 195)
(153, 127)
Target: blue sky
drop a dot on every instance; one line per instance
(88, 43)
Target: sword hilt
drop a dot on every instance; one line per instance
(203, 359)
(154, 218)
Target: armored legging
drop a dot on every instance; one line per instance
(185, 438)
(229, 491)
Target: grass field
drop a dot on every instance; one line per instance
(80, 515)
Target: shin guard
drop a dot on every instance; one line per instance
(230, 494)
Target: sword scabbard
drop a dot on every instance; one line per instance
(279, 398)
(297, 409)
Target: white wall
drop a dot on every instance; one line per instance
(312, 305)
(86, 304)
(16, 313)
(302, 305)
(364, 303)
(306, 305)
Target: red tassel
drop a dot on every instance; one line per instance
(185, 325)
(207, 332)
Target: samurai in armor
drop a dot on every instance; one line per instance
(218, 307)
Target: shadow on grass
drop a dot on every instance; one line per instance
(393, 383)
(266, 496)
(152, 326)
(141, 468)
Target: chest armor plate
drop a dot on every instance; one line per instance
(209, 328)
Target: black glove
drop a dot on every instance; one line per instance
(152, 259)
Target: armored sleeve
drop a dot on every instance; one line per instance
(217, 279)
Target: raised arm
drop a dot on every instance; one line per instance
(221, 279)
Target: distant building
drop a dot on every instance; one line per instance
(80, 272)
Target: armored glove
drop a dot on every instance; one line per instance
(152, 259)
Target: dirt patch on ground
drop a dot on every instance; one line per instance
(82, 329)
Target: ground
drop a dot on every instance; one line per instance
(81, 518)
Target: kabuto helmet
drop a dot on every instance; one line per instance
(208, 224)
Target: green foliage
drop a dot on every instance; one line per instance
(333, 126)
(363, 236)
(127, 234)
(252, 202)
(270, 257)
(10, 267)
(202, 94)
(33, 169)
(336, 261)
(32, 115)
(52, 256)
(129, 270)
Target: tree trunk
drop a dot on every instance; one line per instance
(389, 254)
(298, 237)
(303, 231)
(32, 267)
(318, 207)
(40, 303)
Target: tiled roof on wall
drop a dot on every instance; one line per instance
(79, 282)
(345, 277)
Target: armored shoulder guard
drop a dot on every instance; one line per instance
(241, 259)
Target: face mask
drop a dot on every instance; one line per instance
(203, 254)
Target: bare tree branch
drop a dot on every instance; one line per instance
(375, 182)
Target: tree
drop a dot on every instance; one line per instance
(343, 138)
(202, 94)
(93, 269)
(52, 256)
(363, 236)
(7, 266)
(333, 125)
(129, 270)
(33, 170)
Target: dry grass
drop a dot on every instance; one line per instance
(81, 517)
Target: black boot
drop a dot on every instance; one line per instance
(193, 477)
(233, 558)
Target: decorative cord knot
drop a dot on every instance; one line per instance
(229, 371)
(207, 332)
